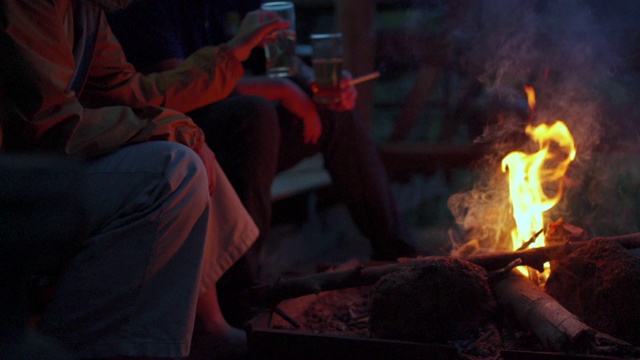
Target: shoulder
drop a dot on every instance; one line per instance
(147, 31)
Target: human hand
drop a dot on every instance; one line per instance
(254, 27)
(348, 94)
(290, 96)
(296, 101)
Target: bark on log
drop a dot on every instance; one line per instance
(556, 327)
(271, 294)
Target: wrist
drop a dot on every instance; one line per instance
(233, 50)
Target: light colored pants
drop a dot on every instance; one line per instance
(157, 240)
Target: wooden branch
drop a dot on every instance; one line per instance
(317, 283)
(536, 257)
(272, 294)
(556, 327)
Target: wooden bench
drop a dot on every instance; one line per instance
(307, 176)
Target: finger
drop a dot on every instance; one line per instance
(346, 103)
(312, 133)
(345, 82)
(264, 31)
(265, 15)
(261, 15)
(349, 96)
(313, 138)
(273, 25)
(261, 34)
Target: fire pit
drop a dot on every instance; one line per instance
(328, 331)
(272, 337)
(326, 316)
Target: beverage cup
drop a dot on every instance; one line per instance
(326, 59)
(280, 46)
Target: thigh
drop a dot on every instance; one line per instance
(148, 207)
(240, 125)
(127, 181)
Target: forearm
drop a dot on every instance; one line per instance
(163, 65)
(270, 89)
(290, 96)
(208, 75)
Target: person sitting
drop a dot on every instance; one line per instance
(162, 222)
(159, 35)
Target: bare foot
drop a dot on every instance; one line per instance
(232, 344)
(229, 343)
(214, 338)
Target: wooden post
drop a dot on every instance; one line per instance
(356, 21)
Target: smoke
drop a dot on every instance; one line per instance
(574, 59)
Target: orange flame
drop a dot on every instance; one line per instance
(535, 180)
(531, 96)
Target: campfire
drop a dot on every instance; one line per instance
(479, 303)
(536, 182)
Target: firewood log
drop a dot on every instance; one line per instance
(556, 327)
(271, 294)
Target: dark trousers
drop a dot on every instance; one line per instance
(244, 134)
(252, 141)
(359, 177)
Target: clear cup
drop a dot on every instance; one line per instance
(327, 58)
(280, 46)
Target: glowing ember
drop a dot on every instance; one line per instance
(535, 180)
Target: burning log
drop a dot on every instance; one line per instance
(556, 327)
(536, 257)
(429, 302)
(270, 295)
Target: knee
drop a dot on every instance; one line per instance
(344, 125)
(184, 171)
